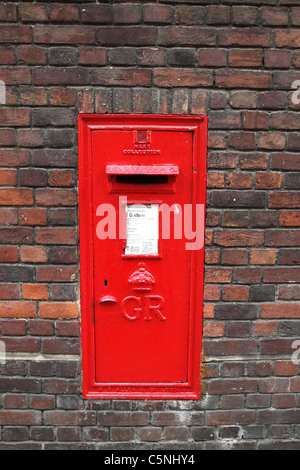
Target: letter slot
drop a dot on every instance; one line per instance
(150, 178)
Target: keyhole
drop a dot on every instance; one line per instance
(105, 282)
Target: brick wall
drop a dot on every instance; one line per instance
(235, 61)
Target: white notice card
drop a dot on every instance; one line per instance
(142, 232)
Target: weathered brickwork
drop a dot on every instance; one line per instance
(235, 61)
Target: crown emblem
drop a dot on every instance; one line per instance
(141, 279)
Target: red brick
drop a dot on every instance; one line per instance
(56, 236)
(122, 75)
(289, 218)
(33, 254)
(242, 79)
(215, 180)
(277, 59)
(7, 55)
(15, 34)
(262, 256)
(55, 34)
(212, 292)
(287, 38)
(190, 14)
(212, 256)
(32, 177)
(222, 160)
(127, 14)
(17, 309)
(157, 13)
(272, 141)
(30, 138)
(245, 15)
(218, 275)
(239, 180)
(245, 58)
(213, 329)
(280, 310)
(239, 238)
(16, 197)
(32, 54)
(285, 368)
(7, 136)
(182, 77)
(273, 100)
(233, 257)
(92, 55)
(8, 177)
(20, 418)
(30, 96)
(244, 99)
(216, 141)
(275, 16)
(14, 117)
(63, 178)
(288, 292)
(245, 37)
(247, 275)
(62, 96)
(86, 101)
(56, 274)
(212, 58)
(208, 311)
(13, 327)
(268, 180)
(186, 35)
(256, 120)
(35, 291)
(199, 102)
(263, 328)
(61, 76)
(33, 217)
(9, 291)
(58, 310)
(8, 216)
(8, 254)
(41, 327)
(225, 120)
(217, 14)
(283, 120)
(129, 35)
(282, 276)
(64, 13)
(56, 197)
(284, 199)
(285, 161)
(32, 12)
(235, 294)
(8, 12)
(15, 157)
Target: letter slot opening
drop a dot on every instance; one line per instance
(142, 178)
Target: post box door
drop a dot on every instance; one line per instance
(142, 306)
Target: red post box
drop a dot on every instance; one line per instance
(142, 183)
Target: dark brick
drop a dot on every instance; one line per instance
(253, 199)
(262, 293)
(236, 312)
